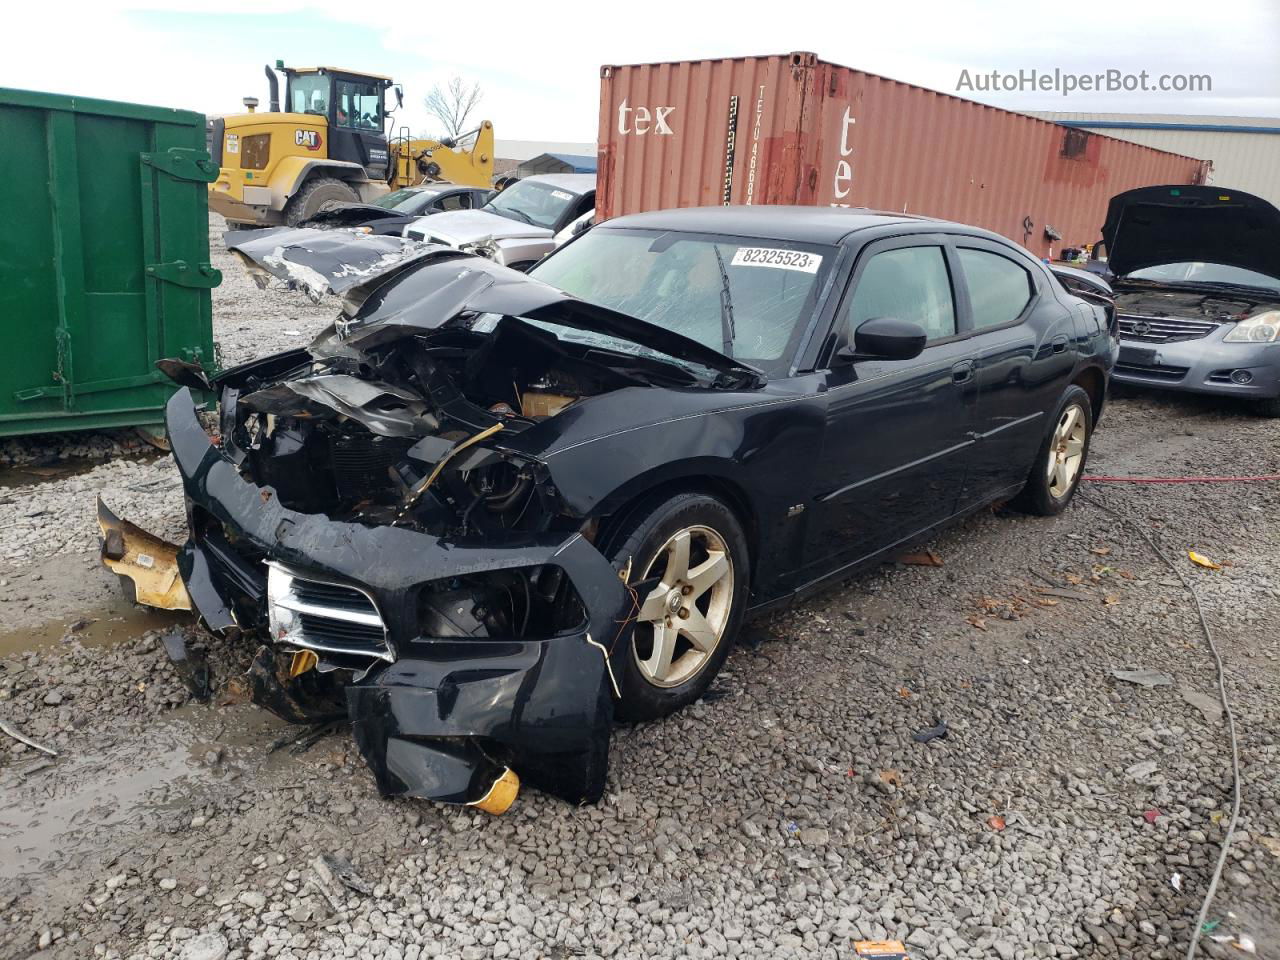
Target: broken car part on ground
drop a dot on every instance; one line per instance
(478, 514)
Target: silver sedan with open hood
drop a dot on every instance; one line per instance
(1197, 284)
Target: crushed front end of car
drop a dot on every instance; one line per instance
(374, 509)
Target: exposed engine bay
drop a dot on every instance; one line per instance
(378, 510)
(1150, 299)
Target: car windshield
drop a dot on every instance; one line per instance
(530, 201)
(405, 201)
(679, 281)
(1195, 271)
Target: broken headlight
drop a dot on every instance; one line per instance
(527, 603)
(1264, 328)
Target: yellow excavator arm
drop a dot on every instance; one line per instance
(423, 161)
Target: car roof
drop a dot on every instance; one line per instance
(436, 187)
(577, 182)
(779, 222)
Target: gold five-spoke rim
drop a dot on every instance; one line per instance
(682, 619)
(1066, 451)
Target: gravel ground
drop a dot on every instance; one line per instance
(1067, 813)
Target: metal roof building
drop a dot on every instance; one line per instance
(557, 163)
(1245, 151)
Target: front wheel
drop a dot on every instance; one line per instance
(689, 570)
(317, 194)
(1060, 461)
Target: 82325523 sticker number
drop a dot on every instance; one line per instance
(776, 257)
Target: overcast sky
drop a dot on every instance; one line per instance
(539, 68)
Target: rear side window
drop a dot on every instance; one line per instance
(999, 289)
(910, 283)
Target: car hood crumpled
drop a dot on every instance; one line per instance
(1151, 226)
(393, 288)
(472, 226)
(320, 261)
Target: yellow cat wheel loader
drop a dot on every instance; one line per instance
(328, 145)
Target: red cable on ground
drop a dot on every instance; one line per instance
(1257, 479)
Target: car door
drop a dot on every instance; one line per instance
(1023, 344)
(894, 449)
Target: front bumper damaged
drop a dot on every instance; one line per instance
(445, 719)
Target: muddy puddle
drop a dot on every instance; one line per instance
(26, 475)
(116, 622)
(61, 808)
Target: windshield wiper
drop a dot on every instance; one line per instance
(519, 213)
(726, 305)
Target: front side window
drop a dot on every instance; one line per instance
(309, 93)
(359, 105)
(999, 289)
(755, 293)
(910, 283)
(455, 201)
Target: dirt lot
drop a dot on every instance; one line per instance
(1067, 813)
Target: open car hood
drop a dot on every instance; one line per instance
(1151, 226)
(392, 288)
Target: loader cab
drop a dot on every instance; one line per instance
(353, 104)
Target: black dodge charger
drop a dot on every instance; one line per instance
(486, 511)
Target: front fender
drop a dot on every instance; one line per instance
(289, 174)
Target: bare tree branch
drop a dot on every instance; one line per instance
(452, 105)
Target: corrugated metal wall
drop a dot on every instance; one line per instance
(1248, 161)
(795, 129)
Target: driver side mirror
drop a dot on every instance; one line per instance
(884, 338)
(399, 97)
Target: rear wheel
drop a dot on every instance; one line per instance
(1059, 464)
(315, 195)
(689, 568)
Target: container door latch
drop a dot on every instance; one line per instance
(186, 274)
(183, 163)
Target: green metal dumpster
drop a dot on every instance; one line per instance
(104, 259)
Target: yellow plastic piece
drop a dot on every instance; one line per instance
(1202, 561)
(302, 661)
(501, 795)
(149, 562)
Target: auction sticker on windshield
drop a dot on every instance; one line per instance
(773, 257)
(561, 195)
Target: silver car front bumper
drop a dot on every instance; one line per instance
(1205, 365)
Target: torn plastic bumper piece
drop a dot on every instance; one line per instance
(449, 717)
(445, 727)
(147, 565)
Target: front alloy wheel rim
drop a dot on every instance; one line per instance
(1066, 451)
(682, 619)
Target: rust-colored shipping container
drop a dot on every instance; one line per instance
(796, 129)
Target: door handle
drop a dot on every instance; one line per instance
(962, 372)
(1059, 344)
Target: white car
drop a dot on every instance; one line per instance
(518, 226)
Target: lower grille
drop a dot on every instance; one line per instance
(1154, 370)
(323, 615)
(1164, 329)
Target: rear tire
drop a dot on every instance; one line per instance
(314, 196)
(1061, 459)
(690, 566)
